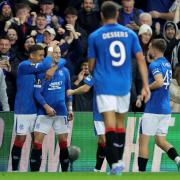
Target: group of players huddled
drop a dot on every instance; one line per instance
(44, 96)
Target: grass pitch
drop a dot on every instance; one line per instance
(88, 176)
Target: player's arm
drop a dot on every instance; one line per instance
(157, 83)
(145, 93)
(91, 53)
(91, 64)
(80, 90)
(38, 89)
(68, 98)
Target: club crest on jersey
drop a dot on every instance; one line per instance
(60, 72)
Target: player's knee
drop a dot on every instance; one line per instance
(63, 144)
(101, 139)
(159, 142)
(19, 141)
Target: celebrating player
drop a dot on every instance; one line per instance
(157, 114)
(110, 49)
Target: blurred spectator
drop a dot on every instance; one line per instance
(20, 22)
(11, 71)
(170, 31)
(3, 96)
(13, 37)
(129, 15)
(5, 14)
(88, 19)
(145, 18)
(41, 23)
(28, 42)
(82, 102)
(175, 90)
(145, 35)
(71, 16)
(46, 8)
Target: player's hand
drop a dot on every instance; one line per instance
(145, 94)
(49, 110)
(69, 92)
(50, 73)
(70, 115)
(81, 76)
(138, 102)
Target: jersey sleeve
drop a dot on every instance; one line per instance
(154, 69)
(38, 89)
(91, 47)
(67, 84)
(136, 47)
(32, 68)
(89, 81)
(61, 63)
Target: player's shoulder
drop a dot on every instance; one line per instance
(65, 70)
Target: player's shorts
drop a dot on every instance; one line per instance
(155, 124)
(98, 120)
(119, 104)
(44, 123)
(24, 123)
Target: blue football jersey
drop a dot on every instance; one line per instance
(53, 91)
(159, 102)
(26, 77)
(113, 46)
(96, 115)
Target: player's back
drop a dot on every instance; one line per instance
(25, 102)
(159, 102)
(113, 46)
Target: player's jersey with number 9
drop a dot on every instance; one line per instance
(159, 102)
(113, 46)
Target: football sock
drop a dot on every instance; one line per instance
(111, 146)
(100, 155)
(120, 141)
(64, 156)
(142, 162)
(16, 154)
(172, 153)
(36, 157)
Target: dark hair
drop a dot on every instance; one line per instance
(70, 10)
(34, 48)
(41, 15)
(159, 44)
(22, 6)
(109, 9)
(4, 37)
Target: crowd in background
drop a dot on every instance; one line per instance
(27, 22)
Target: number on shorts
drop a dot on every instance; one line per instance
(121, 54)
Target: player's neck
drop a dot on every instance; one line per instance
(159, 55)
(110, 21)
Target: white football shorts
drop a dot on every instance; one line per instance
(24, 123)
(155, 124)
(44, 123)
(119, 104)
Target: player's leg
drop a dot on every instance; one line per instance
(100, 154)
(61, 127)
(64, 153)
(148, 127)
(121, 135)
(16, 151)
(161, 141)
(42, 126)
(36, 153)
(143, 152)
(107, 106)
(100, 133)
(22, 128)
